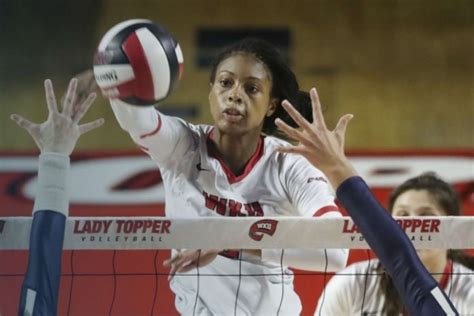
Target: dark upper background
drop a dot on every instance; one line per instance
(404, 68)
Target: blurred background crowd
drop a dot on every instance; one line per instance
(404, 68)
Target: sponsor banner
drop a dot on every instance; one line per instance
(236, 233)
(129, 184)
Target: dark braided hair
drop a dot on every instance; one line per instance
(284, 83)
(447, 199)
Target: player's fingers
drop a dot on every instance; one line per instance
(188, 267)
(22, 122)
(293, 133)
(287, 129)
(70, 98)
(318, 117)
(50, 98)
(341, 127)
(172, 272)
(177, 267)
(171, 261)
(84, 128)
(84, 107)
(295, 115)
(168, 262)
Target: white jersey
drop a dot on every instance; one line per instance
(356, 290)
(198, 184)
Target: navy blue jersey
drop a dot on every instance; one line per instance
(419, 291)
(39, 292)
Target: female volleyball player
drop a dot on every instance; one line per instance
(351, 293)
(56, 139)
(419, 291)
(232, 169)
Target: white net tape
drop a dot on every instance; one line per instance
(456, 232)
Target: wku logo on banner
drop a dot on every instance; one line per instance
(264, 226)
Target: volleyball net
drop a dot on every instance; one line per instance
(126, 233)
(113, 265)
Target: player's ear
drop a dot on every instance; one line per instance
(272, 107)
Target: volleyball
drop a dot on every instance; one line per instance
(139, 62)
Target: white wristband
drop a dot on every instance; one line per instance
(53, 190)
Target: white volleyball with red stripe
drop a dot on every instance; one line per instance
(139, 62)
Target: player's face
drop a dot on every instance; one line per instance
(417, 203)
(420, 203)
(240, 94)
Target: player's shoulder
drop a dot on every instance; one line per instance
(462, 273)
(463, 287)
(459, 267)
(199, 132)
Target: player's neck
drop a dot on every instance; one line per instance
(236, 150)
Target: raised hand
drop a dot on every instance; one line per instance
(60, 132)
(85, 86)
(322, 147)
(186, 260)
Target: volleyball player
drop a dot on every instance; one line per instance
(56, 139)
(364, 288)
(323, 148)
(232, 169)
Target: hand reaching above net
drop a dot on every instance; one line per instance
(322, 147)
(60, 132)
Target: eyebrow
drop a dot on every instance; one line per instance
(422, 208)
(249, 77)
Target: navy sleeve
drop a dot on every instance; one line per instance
(418, 289)
(39, 292)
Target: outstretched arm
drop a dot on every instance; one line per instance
(162, 137)
(325, 149)
(56, 139)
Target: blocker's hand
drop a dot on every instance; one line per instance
(322, 147)
(60, 132)
(85, 86)
(186, 260)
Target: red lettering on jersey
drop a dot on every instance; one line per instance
(257, 209)
(221, 206)
(229, 207)
(249, 210)
(211, 201)
(234, 208)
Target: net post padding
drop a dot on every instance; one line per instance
(449, 232)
